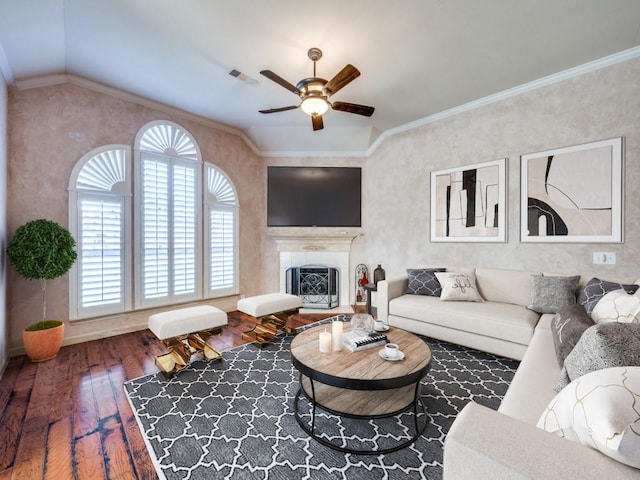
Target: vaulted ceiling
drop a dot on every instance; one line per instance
(417, 58)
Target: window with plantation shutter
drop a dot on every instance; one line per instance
(221, 206)
(168, 201)
(159, 230)
(99, 200)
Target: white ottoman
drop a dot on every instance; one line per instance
(271, 311)
(185, 331)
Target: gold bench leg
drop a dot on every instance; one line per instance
(268, 326)
(181, 348)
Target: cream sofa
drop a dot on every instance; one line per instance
(506, 445)
(501, 325)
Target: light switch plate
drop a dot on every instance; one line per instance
(604, 258)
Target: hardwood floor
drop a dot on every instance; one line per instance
(68, 418)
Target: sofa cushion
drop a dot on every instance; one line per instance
(567, 327)
(603, 345)
(595, 289)
(458, 287)
(550, 293)
(617, 306)
(531, 389)
(599, 410)
(506, 321)
(508, 286)
(422, 281)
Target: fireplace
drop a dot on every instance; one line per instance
(317, 246)
(318, 286)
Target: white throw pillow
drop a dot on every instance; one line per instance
(617, 306)
(458, 286)
(600, 410)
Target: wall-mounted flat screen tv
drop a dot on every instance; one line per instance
(314, 196)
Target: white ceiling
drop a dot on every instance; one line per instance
(417, 58)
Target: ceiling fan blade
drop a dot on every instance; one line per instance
(281, 109)
(344, 77)
(353, 108)
(317, 122)
(280, 81)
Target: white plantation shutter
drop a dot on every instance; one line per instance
(102, 254)
(155, 215)
(169, 218)
(222, 233)
(177, 243)
(99, 190)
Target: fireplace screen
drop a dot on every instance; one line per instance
(317, 285)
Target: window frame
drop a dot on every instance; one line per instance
(129, 193)
(121, 191)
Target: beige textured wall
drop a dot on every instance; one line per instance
(595, 106)
(4, 327)
(51, 128)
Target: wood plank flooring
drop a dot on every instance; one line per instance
(68, 418)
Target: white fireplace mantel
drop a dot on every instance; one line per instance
(304, 240)
(311, 246)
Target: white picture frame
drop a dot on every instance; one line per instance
(468, 204)
(573, 194)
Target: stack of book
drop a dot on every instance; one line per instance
(355, 342)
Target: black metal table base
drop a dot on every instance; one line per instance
(311, 431)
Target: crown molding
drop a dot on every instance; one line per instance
(573, 72)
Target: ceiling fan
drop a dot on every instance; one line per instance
(315, 92)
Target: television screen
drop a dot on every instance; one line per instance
(314, 196)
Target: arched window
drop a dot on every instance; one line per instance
(221, 210)
(177, 241)
(99, 206)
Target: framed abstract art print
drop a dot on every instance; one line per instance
(573, 194)
(468, 204)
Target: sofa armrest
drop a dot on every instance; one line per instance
(388, 290)
(484, 444)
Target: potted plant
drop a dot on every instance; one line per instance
(42, 250)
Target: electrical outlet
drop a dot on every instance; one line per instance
(604, 258)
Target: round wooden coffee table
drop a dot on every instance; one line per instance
(360, 384)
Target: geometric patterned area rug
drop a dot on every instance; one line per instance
(233, 419)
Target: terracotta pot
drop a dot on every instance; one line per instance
(41, 345)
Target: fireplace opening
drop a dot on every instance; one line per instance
(318, 286)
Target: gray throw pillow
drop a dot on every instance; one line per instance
(603, 345)
(567, 327)
(550, 294)
(422, 281)
(595, 289)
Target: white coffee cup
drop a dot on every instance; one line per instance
(380, 325)
(391, 350)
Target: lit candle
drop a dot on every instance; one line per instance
(336, 331)
(325, 342)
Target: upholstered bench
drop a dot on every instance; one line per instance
(271, 311)
(185, 331)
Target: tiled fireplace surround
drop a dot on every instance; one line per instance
(331, 249)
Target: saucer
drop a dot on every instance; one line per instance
(383, 329)
(397, 359)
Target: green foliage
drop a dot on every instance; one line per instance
(44, 325)
(42, 249)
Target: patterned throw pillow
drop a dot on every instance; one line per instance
(604, 345)
(567, 327)
(459, 286)
(617, 306)
(599, 410)
(550, 294)
(595, 289)
(422, 281)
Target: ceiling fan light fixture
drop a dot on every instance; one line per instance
(314, 106)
